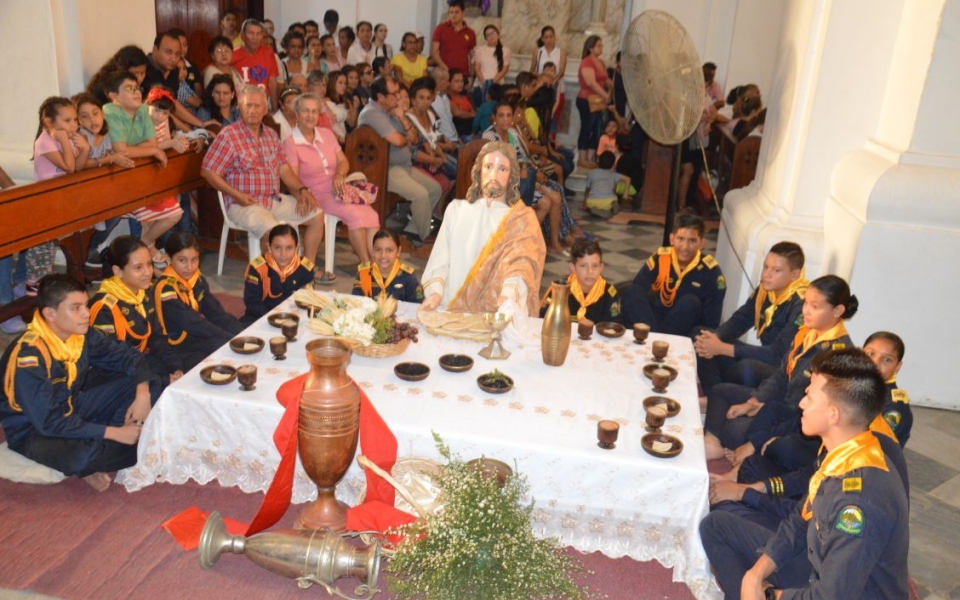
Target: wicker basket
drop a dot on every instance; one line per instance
(381, 350)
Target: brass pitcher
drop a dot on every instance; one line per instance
(310, 557)
(328, 430)
(555, 335)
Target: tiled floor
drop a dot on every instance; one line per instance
(932, 455)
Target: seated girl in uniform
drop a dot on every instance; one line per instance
(122, 308)
(189, 314)
(272, 278)
(386, 275)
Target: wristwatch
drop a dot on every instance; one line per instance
(770, 594)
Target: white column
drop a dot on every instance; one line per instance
(859, 164)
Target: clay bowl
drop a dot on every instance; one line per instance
(611, 330)
(246, 344)
(647, 441)
(411, 371)
(456, 363)
(671, 405)
(491, 386)
(649, 369)
(276, 319)
(218, 374)
(491, 468)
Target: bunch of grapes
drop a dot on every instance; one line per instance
(402, 331)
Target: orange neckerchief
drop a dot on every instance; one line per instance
(807, 338)
(270, 263)
(119, 290)
(378, 276)
(762, 317)
(662, 284)
(596, 292)
(66, 351)
(859, 452)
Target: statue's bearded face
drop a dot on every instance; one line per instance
(494, 175)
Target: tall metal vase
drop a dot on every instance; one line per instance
(555, 335)
(328, 431)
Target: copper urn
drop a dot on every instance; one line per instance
(328, 430)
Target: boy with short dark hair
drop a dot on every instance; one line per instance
(590, 295)
(849, 539)
(73, 399)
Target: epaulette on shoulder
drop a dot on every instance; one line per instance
(109, 300)
(406, 268)
(29, 337)
(709, 260)
(306, 263)
(664, 249)
(257, 262)
(899, 395)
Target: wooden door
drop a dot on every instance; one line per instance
(201, 20)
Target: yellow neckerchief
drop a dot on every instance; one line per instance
(66, 351)
(115, 287)
(184, 292)
(187, 296)
(270, 263)
(807, 338)
(799, 285)
(859, 452)
(662, 284)
(378, 276)
(596, 292)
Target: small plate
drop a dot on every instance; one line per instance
(672, 406)
(610, 330)
(491, 468)
(218, 374)
(647, 441)
(492, 389)
(411, 371)
(276, 319)
(456, 363)
(246, 344)
(649, 369)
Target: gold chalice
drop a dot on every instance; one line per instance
(496, 322)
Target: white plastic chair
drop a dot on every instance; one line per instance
(253, 242)
(329, 240)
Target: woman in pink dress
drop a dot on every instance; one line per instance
(314, 154)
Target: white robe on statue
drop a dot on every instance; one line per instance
(463, 235)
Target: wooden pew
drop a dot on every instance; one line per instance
(465, 159)
(370, 154)
(65, 208)
(737, 161)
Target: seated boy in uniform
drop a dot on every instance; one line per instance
(590, 296)
(773, 311)
(679, 289)
(73, 399)
(849, 538)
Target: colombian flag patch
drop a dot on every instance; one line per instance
(27, 362)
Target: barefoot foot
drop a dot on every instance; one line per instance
(98, 481)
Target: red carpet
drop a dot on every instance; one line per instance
(68, 541)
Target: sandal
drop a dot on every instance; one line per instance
(160, 261)
(324, 277)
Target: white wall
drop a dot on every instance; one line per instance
(400, 16)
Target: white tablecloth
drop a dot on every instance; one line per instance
(621, 502)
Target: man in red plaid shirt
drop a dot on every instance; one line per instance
(246, 163)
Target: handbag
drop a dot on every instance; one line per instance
(596, 103)
(358, 190)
